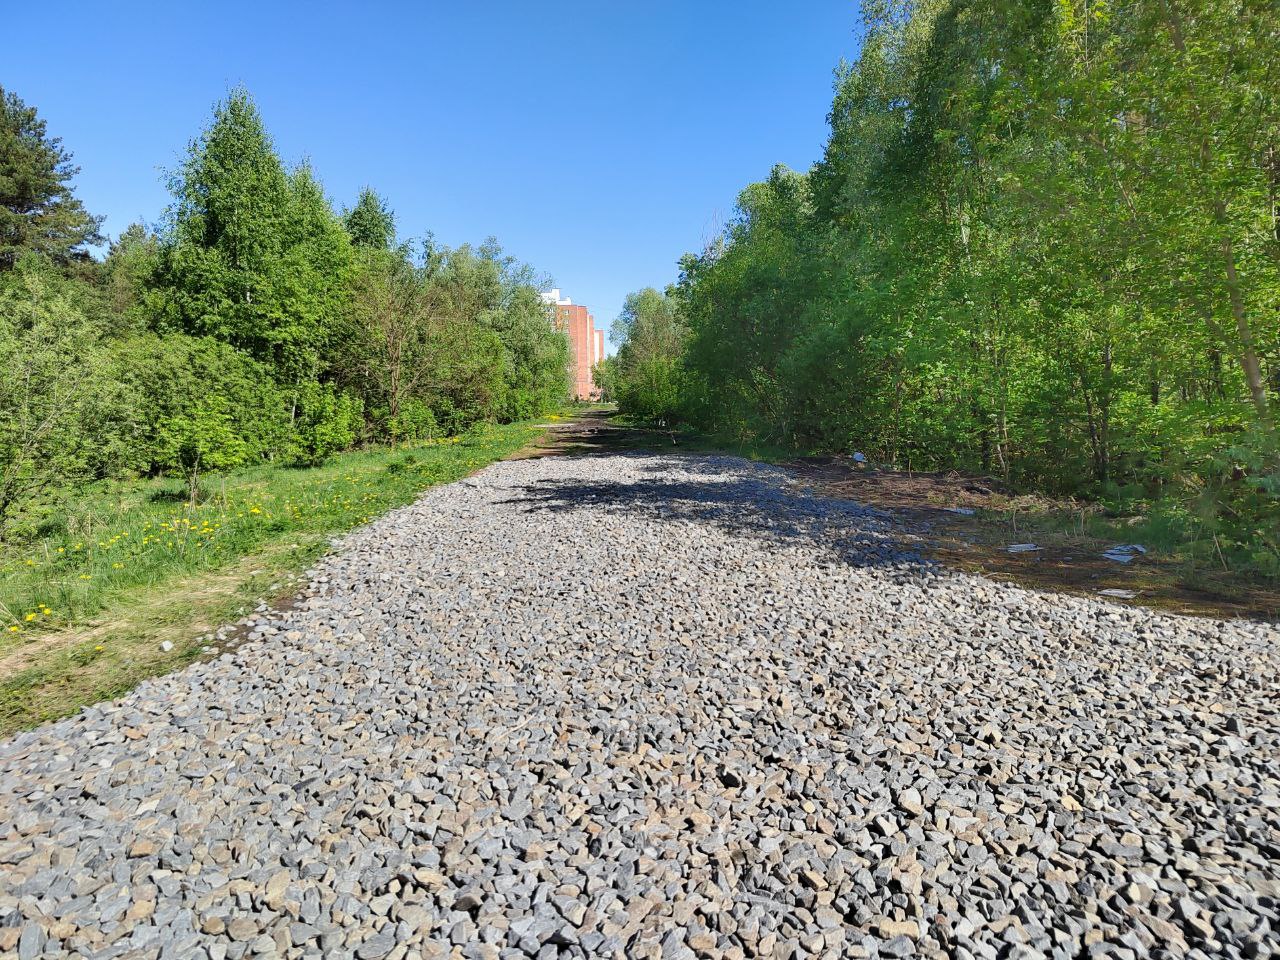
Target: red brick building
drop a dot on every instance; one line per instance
(585, 340)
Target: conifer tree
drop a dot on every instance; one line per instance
(38, 209)
(370, 222)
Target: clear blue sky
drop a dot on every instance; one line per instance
(596, 139)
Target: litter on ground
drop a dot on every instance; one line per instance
(1125, 553)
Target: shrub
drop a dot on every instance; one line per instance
(324, 422)
(413, 422)
(203, 439)
(651, 391)
(48, 364)
(168, 382)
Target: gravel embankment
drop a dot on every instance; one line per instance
(659, 707)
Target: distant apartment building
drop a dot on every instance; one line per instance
(585, 340)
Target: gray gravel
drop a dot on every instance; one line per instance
(661, 707)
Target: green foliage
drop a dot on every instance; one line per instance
(1042, 243)
(254, 255)
(168, 386)
(646, 377)
(38, 211)
(535, 356)
(48, 365)
(413, 422)
(325, 422)
(462, 336)
(204, 439)
(254, 327)
(132, 263)
(651, 390)
(382, 347)
(370, 223)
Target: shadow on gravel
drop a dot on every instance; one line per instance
(736, 504)
(960, 522)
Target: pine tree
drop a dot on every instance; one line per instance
(38, 211)
(370, 222)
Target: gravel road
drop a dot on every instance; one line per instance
(661, 707)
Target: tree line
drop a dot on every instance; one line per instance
(1042, 243)
(254, 323)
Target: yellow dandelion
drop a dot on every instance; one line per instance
(29, 617)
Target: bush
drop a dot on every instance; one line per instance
(454, 420)
(651, 391)
(413, 422)
(48, 365)
(169, 382)
(324, 422)
(203, 439)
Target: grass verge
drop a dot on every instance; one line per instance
(85, 609)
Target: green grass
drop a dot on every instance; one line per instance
(84, 608)
(1199, 544)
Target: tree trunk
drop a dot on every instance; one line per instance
(1248, 352)
(193, 488)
